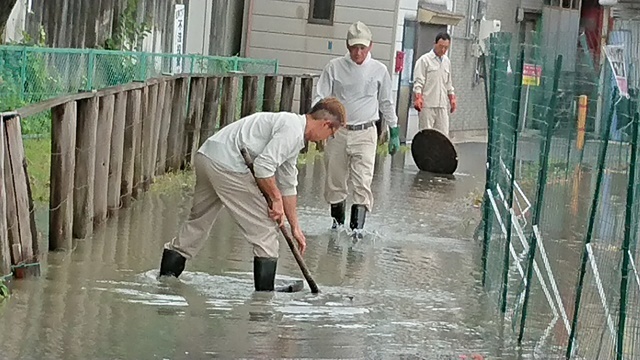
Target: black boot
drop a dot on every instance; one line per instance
(337, 213)
(358, 214)
(172, 263)
(264, 273)
(264, 276)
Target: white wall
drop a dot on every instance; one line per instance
(278, 29)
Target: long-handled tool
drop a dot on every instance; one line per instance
(296, 254)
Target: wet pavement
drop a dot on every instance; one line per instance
(410, 289)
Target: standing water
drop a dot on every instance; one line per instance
(409, 289)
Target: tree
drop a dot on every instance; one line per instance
(6, 6)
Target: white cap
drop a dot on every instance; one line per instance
(359, 34)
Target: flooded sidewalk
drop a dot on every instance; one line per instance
(410, 289)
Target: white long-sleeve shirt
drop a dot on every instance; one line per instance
(273, 141)
(432, 79)
(365, 90)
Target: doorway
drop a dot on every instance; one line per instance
(417, 39)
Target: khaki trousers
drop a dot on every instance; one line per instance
(434, 118)
(350, 156)
(216, 187)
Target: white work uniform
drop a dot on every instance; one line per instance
(273, 141)
(365, 91)
(432, 79)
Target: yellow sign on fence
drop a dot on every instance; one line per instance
(531, 74)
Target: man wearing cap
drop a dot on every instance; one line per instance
(363, 85)
(223, 179)
(433, 87)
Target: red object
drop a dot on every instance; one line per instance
(593, 18)
(399, 61)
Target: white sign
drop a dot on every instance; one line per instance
(616, 56)
(178, 36)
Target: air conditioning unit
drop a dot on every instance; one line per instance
(487, 27)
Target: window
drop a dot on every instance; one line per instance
(565, 4)
(321, 11)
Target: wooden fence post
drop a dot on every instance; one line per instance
(211, 105)
(102, 161)
(17, 195)
(5, 254)
(229, 100)
(306, 94)
(194, 119)
(87, 126)
(63, 161)
(130, 138)
(138, 155)
(249, 95)
(287, 92)
(165, 124)
(269, 95)
(117, 153)
(148, 130)
(176, 126)
(158, 121)
(32, 214)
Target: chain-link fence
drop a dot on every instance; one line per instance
(32, 74)
(561, 206)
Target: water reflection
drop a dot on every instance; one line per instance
(409, 288)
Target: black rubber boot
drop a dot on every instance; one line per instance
(338, 214)
(264, 273)
(172, 263)
(264, 276)
(358, 214)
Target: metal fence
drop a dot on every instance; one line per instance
(32, 74)
(560, 211)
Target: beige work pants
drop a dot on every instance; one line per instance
(434, 118)
(239, 192)
(350, 156)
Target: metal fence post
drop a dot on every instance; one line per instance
(490, 95)
(236, 63)
(592, 216)
(628, 224)
(23, 74)
(91, 69)
(142, 68)
(542, 181)
(514, 148)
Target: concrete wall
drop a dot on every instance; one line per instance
(533, 4)
(279, 29)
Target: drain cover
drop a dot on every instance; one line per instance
(433, 152)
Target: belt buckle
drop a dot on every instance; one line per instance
(359, 126)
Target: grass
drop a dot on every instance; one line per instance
(38, 155)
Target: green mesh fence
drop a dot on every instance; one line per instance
(33, 74)
(560, 207)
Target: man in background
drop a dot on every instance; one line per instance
(433, 87)
(363, 85)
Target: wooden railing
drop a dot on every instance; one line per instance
(108, 146)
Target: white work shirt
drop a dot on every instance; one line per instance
(273, 140)
(432, 79)
(364, 90)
